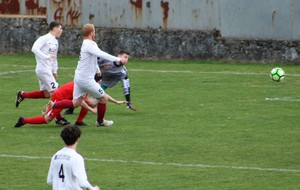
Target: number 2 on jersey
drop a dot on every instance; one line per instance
(61, 173)
(52, 85)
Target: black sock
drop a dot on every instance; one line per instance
(127, 97)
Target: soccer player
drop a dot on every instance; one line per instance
(67, 170)
(84, 76)
(45, 49)
(112, 73)
(62, 93)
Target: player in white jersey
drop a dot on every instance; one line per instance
(84, 76)
(45, 49)
(112, 73)
(67, 169)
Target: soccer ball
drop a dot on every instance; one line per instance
(277, 74)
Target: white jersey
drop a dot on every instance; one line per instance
(67, 171)
(43, 48)
(87, 65)
(87, 68)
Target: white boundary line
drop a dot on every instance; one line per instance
(24, 71)
(225, 72)
(161, 71)
(149, 70)
(285, 99)
(13, 72)
(164, 164)
(176, 71)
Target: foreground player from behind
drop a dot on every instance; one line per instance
(67, 169)
(84, 76)
(45, 49)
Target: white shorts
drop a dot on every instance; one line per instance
(81, 87)
(47, 81)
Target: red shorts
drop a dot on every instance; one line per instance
(54, 112)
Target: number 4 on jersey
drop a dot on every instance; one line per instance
(61, 173)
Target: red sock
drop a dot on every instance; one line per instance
(101, 109)
(33, 95)
(34, 120)
(58, 117)
(63, 104)
(81, 115)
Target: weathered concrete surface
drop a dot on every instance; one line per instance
(18, 35)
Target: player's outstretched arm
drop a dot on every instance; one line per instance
(110, 99)
(87, 107)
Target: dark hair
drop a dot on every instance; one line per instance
(70, 134)
(97, 77)
(123, 52)
(53, 25)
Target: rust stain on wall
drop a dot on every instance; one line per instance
(9, 7)
(72, 16)
(58, 15)
(137, 3)
(273, 17)
(91, 18)
(196, 13)
(137, 6)
(165, 6)
(67, 12)
(33, 8)
(274, 13)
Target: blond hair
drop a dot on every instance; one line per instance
(87, 29)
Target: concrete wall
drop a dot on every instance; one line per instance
(247, 19)
(18, 35)
(260, 19)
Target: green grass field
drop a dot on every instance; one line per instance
(199, 125)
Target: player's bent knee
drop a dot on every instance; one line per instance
(103, 99)
(48, 119)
